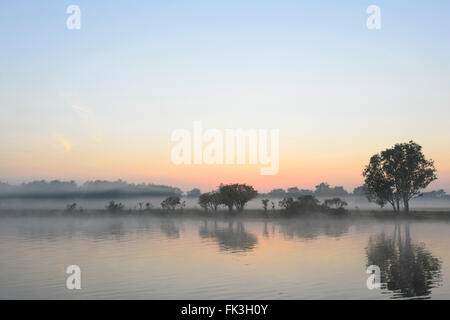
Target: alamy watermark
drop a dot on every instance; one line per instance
(229, 146)
(73, 281)
(73, 22)
(374, 280)
(374, 20)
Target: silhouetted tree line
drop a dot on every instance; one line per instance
(435, 194)
(321, 190)
(232, 196)
(236, 196)
(194, 193)
(393, 176)
(97, 188)
(310, 204)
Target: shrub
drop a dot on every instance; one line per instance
(114, 207)
(171, 203)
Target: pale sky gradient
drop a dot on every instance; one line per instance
(101, 102)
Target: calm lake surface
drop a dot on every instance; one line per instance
(195, 258)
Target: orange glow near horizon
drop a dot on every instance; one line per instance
(303, 168)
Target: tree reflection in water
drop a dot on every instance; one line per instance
(408, 269)
(233, 237)
(312, 228)
(169, 228)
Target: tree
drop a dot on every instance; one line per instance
(277, 193)
(435, 194)
(379, 187)
(265, 203)
(210, 200)
(359, 191)
(308, 202)
(398, 174)
(236, 195)
(324, 189)
(215, 199)
(287, 203)
(171, 203)
(339, 191)
(148, 206)
(337, 203)
(193, 193)
(303, 204)
(114, 207)
(203, 201)
(293, 192)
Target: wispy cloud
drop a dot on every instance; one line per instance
(65, 143)
(86, 115)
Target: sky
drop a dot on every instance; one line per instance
(102, 102)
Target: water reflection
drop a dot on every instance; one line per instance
(225, 258)
(231, 237)
(265, 232)
(408, 269)
(53, 229)
(116, 229)
(169, 228)
(311, 229)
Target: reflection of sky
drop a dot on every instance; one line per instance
(138, 258)
(101, 102)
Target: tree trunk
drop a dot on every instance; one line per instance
(393, 206)
(406, 204)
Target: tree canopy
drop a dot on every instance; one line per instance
(397, 174)
(236, 195)
(210, 200)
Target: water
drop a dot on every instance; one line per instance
(195, 258)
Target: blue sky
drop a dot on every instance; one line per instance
(137, 70)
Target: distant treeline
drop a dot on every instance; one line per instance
(93, 189)
(325, 190)
(120, 188)
(321, 190)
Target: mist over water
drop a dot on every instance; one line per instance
(354, 203)
(198, 258)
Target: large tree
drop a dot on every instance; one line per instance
(397, 174)
(236, 195)
(210, 200)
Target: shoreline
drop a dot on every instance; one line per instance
(246, 214)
